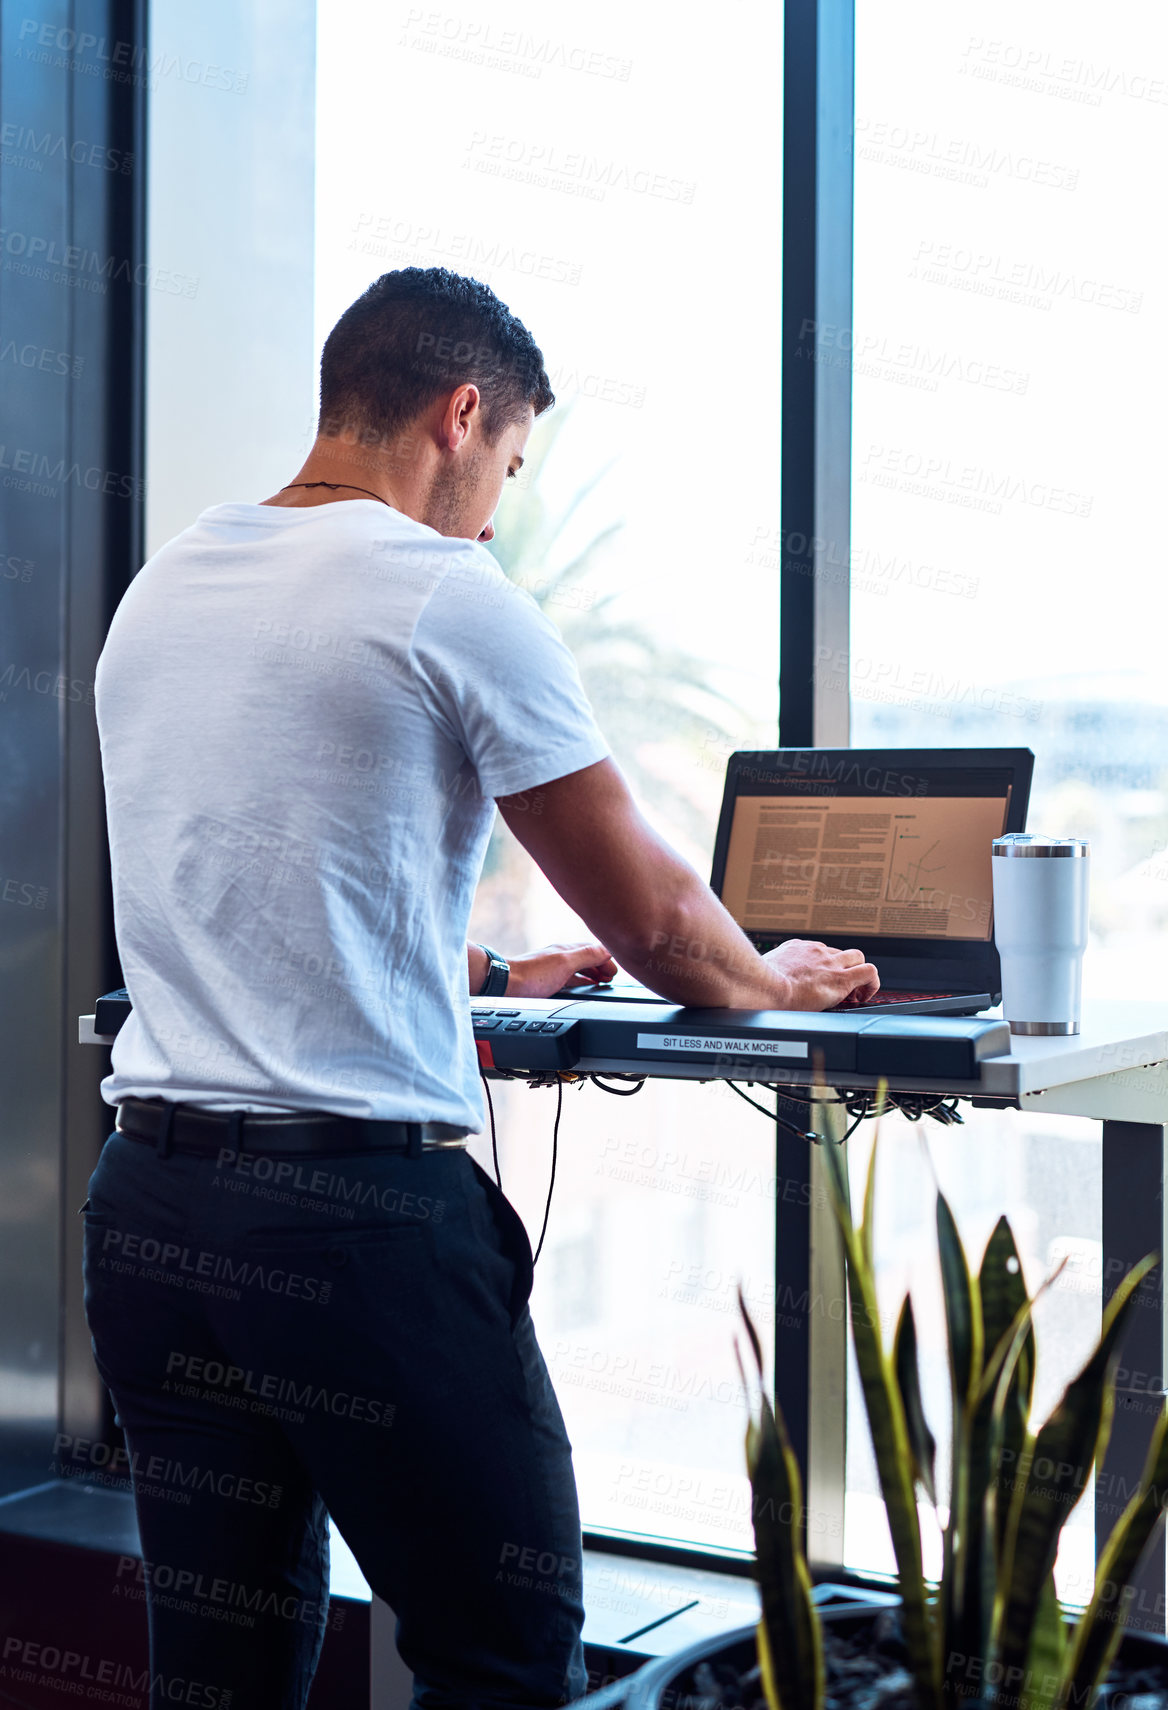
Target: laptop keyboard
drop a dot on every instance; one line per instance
(641, 994)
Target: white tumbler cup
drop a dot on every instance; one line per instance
(1040, 928)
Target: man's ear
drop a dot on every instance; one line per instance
(458, 415)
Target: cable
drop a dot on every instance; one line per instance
(912, 1106)
(494, 1136)
(860, 1106)
(618, 1092)
(773, 1116)
(753, 1103)
(547, 1210)
(848, 1132)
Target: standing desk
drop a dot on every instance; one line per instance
(1116, 1072)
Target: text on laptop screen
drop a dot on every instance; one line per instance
(840, 865)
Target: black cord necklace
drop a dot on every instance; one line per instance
(333, 486)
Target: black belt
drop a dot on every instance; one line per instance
(185, 1128)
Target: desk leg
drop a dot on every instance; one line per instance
(1133, 1225)
(811, 1333)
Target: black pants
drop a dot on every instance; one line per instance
(344, 1335)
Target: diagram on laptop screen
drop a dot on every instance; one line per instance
(912, 880)
(844, 865)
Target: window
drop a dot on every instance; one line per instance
(619, 186)
(1006, 396)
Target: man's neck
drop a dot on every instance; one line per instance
(335, 470)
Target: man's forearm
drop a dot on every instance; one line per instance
(660, 920)
(652, 911)
(476, 968)
(697, 955)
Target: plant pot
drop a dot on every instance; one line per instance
(667, 1683)
(655, 1684)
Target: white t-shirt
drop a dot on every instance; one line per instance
(304, 717)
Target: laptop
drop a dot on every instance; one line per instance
(884, 850)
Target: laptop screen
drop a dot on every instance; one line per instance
(884, 850)
(859, 867)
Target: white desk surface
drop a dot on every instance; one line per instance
(1115, 1036)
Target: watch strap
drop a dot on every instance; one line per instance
(498, 974)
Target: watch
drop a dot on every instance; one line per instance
(498, 974)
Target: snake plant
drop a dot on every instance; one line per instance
(992, 1630)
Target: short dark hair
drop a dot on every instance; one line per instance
(417, 333)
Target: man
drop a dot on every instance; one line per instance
(305, 1297)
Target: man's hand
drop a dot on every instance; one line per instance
(820, 978)
(542, 973)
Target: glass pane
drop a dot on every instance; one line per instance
(1007, 384)
(560, 159)
(1043, 1172)
(1005, 487)
(663, 1203)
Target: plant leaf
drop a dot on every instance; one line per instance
(921, 1440)
(996, 1551)
(755, 1343)
(963, 1325)
(1074, 1436)
(1100, 1627)
(890, 1441)
(766, 1670)
(962, 1307)
(1044, 1660)
(868, 1226)
(1005, 1307)
(790, 1641)
(1002, 1287)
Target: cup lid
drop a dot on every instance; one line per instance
(1034, 843)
